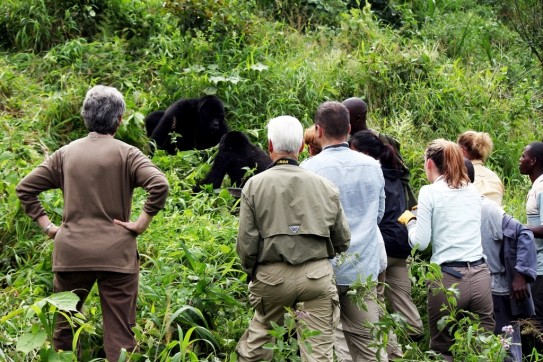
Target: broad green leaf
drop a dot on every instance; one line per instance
(64, 301)
(6, 156)
(29, 342)
(64, 356)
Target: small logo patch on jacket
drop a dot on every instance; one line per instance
(294, 228)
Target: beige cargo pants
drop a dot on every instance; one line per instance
(279, 285)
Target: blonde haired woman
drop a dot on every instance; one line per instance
(477, 147)
(449, 217)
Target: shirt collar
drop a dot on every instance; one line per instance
(440, 178)
(342, 144)
(99, 135)
(284, 161)
(539, 179)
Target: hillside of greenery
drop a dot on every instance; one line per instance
(427, 69)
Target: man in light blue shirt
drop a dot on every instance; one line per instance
(361, 187)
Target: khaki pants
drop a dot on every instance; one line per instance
(393, 349)
(279, 285)
(475, 296)
(118, 295)
(340, 345)
(354, 320)
(398, 294)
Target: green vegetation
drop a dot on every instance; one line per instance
(428, 69)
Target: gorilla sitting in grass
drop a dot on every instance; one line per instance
(236, 156)
(196, 123)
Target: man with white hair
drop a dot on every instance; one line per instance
(291, 222)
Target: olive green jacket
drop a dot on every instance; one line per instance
(289, 214)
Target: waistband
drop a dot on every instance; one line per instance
(464, 264)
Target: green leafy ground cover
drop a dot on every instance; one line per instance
(428, 69)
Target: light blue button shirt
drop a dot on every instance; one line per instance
(362, 193)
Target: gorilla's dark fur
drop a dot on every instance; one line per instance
(198, 123)
(236, 153)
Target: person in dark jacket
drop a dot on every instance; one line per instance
(394, 233)
(358, 111)
(510, 252)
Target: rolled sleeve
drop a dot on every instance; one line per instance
(526, 254)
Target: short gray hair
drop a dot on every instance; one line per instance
(286, 134)
(101, 109)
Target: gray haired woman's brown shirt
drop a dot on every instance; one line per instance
(97, 175)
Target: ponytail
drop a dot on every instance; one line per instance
(388, 157)
(449, 160)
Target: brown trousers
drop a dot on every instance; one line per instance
(118, 294)
(474, 296)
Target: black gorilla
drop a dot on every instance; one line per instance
(235, 154)
(198, 123)
(151, 121)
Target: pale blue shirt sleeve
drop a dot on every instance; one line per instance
(382, 198)
(420, 230)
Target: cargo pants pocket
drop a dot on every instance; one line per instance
(260, 287)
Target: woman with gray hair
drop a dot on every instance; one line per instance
(96, 241)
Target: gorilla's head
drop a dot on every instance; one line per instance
(211, 113)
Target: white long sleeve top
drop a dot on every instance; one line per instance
(450, 219)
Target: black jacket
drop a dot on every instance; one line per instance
(394, 234)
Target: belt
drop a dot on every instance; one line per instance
(463, 264)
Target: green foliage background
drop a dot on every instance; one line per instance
(427, 68)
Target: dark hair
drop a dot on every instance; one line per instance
(535, 150)
(449, 161)
(358, 110)
(470, 169)
(368, 143)
(333, 117)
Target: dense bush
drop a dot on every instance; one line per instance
(38, 25)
